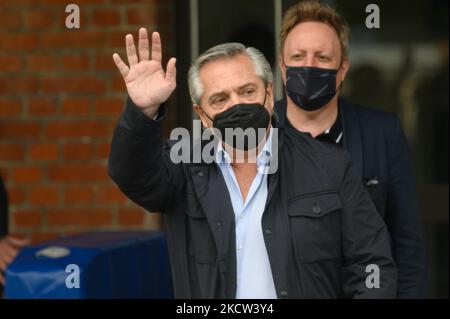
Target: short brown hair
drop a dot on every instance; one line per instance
(307, 11)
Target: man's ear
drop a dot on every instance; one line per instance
(344, 69)
(201, 114)
(282, 69)
(270, 98)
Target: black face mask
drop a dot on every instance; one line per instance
(310, 88)
(243, 116)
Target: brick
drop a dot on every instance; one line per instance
(102, 150)
(43, 152)
(75, 62)
(79, 84)
(105, 17)
(78, 194)
(117, 39)
(74, 39)
(77, 151)
(75, 106)
(19, 130)
(11, 152)
(27, 174)
(131, 217)
(27, 218)
(104, 62)
(141, 16)
(79, 217)
(108, 106)
(18, 85)
(41, 62)
(41, 107)
(18, 41)
(88, 128)
(5, 175)
(18, 3)
(78, 2)
(10, 19)
(78, 173)
(10, 63)
(10, 107)
(39, 19)
(16, 196)
(44, 196)
(58, 110)
(62, 17)
(40, 237)
(118, 84)
(130, 1)
(106, 195)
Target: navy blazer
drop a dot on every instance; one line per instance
(380, 152)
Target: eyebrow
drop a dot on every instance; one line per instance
(240, 88)
(321, 51)
(325, 52)
(215, 95)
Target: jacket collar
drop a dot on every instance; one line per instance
(351, 128)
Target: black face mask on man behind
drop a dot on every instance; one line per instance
(243, 116)
(310, 88)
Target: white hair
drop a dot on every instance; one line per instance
(226, 50)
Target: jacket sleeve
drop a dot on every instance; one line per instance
(403, 218)
(366, 243)
(140, 165)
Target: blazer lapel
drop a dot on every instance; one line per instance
(352, 132)
(280, 109)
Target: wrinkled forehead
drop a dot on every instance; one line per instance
(228, 73)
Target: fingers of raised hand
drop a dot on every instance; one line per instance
(144, 53)
(123, 68)
(131, 50)
(156, 47)
(171, 71)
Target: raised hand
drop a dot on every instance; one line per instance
(147, 84)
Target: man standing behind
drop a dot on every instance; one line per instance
(314, 62)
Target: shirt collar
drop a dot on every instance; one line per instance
(334, 133)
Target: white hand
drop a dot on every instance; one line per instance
(147, 84)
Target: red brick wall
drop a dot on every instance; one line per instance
(60, 97)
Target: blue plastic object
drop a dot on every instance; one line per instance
(132, 264)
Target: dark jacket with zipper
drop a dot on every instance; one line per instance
(379, 151)
(320, 226)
